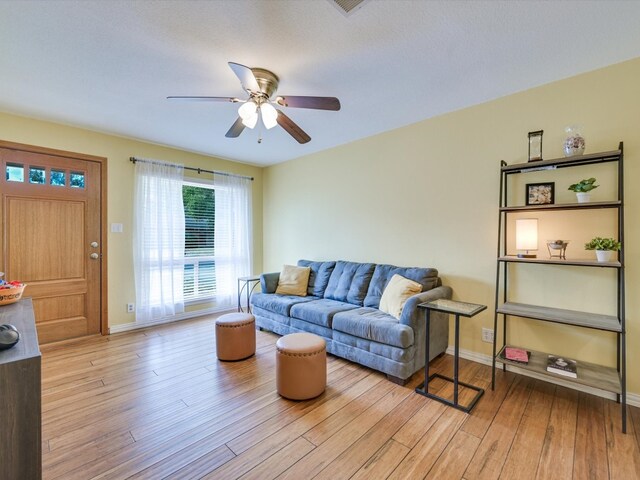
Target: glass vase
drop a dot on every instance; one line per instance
(574, 143)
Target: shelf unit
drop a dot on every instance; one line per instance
(601, 377)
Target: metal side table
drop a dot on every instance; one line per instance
(248, 285)
(458, 309)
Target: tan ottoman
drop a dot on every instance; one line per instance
(235, 336)
(301, 366)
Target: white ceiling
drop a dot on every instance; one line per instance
(108, 65)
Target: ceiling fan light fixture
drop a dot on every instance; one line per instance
(248, 110)
(269, 115)
(261, 85)
(250, 121)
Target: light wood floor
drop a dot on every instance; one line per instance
(157, 404)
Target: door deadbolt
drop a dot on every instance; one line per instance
(94, 256)
(94, 244)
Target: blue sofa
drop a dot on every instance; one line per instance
(342, 307)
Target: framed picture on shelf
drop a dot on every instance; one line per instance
(535, 145)
(540, 193)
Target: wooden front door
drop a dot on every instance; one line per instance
(52, 238)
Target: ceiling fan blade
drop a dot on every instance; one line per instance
(236, 129)
(205, 99)
(292, 128)
(318, 103)
(246, 76)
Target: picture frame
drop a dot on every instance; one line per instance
(535, 146)
(540, 193)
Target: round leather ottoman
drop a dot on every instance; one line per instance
(301, 366)
(235, 336)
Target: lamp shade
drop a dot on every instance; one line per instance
(269, 115)
(250, 121)
(527, 234)
(247, 110)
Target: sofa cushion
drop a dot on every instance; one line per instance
(321, 311)
(302, 326)
(293, 280)
(372, 324)
(273, 316)
(387, 351)
(349, 282)
(427, 277)
(396, 293)
(319, 277)
(278, 303)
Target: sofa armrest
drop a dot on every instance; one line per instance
(269, 282)
(438, 334)
(411, 314)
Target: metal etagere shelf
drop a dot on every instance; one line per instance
(598, 376)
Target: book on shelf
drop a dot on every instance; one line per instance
(516, 355)
(562, 366)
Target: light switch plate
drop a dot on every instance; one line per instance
(116, 228)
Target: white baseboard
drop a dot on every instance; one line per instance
(632, 398)
(125, 327)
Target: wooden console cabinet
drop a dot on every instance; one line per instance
(20, 398)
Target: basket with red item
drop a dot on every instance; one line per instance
(10, 292)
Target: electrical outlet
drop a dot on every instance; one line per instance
(131, 307)
(487, 335)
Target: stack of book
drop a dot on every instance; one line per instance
(562, 366)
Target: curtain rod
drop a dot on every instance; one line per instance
(199, 170)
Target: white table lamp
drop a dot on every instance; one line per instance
(527, 236)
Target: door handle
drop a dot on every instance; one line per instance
(94, 244)
(94, 256)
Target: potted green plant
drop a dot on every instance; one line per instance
(604, 247)
(582, 189)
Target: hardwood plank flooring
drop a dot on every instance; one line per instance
(492, 451)
(157, 404)
(455, 458)
(523, 457)
(624, 456)
(591, 460)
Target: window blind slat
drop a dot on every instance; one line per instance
(199, 252)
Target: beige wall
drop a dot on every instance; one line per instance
(120, 191)
(427, 194)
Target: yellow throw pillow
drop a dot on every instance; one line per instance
(293, 280)
(396, 293)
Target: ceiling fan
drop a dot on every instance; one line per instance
(261, 84)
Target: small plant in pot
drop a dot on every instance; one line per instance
(604, 247)
(582, 189)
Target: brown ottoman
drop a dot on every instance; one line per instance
(235, 336)
(301, 366)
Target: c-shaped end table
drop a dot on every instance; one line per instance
(247, 284)
(458, 309)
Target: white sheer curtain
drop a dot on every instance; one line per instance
(158, 240)
(233, 238)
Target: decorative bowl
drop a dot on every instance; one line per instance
(559, 248)
(11, 295)
(557, 244)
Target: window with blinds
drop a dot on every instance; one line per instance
(199, 262)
